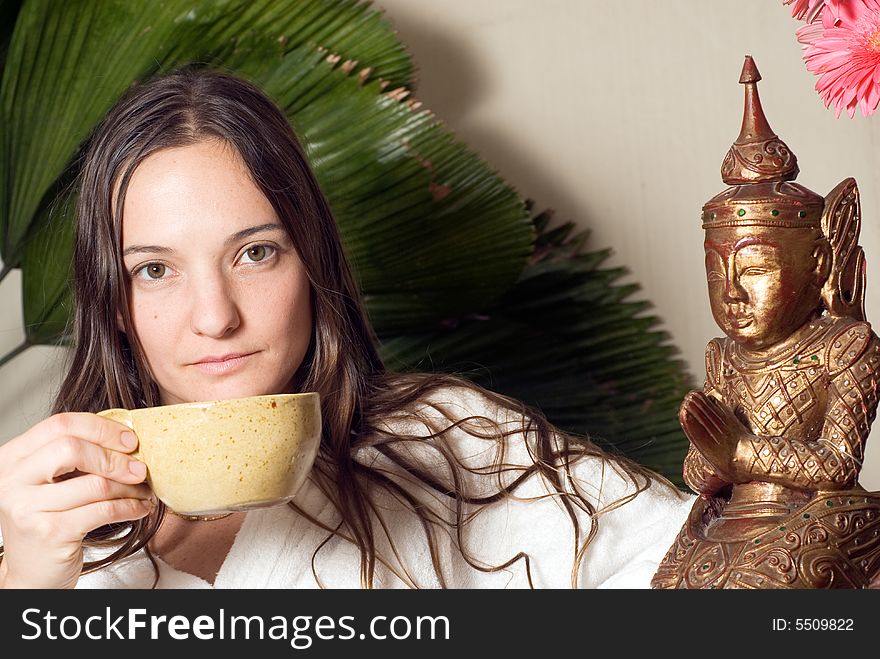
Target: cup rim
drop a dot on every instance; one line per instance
(210, 403)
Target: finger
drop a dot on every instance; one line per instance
(697, 433)
(691, 421)
(82, 490)
(717, 407)
(64, 455)
(707, 404)
(710, 423)
(698, 403)
(730, 419)
(84, 425)
(690, 402)
(93, 515)
(704, 427)
(718, 413)
(692, 398)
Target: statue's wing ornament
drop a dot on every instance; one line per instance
(844, 291)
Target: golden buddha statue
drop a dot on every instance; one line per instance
(778, 433)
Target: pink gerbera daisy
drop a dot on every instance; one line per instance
(844, 51)
(806, 10)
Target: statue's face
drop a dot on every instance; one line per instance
(764, 283)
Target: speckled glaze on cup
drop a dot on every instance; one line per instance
(226, 455)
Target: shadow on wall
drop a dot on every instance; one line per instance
(450, 83)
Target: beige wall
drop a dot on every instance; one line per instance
(617, 115)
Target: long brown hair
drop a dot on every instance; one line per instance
(108, 367)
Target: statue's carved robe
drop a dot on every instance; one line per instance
(795, 516)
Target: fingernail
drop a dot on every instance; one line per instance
(139, 469)
(129, 440)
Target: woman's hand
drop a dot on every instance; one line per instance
(66, 476)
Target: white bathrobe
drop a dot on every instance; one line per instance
(275, 546)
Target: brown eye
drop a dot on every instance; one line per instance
(257, 252)
(152, 271)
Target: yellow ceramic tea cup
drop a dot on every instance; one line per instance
(226, 455)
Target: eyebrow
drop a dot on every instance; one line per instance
(234, 238)
(748, 241)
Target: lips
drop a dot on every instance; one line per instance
(741, 322)
(223, 364)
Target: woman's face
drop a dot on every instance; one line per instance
(219, 297)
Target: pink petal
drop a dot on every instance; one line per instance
(873, 97)
(865, 85)
(809, 33)
(849, 12)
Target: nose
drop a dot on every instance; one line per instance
(214, 310)
(733, 291)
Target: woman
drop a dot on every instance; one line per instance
(208, 266)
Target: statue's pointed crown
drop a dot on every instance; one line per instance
(760, 167)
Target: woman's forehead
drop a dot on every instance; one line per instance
(202, 192)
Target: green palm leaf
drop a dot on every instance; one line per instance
(46, 275)
(566, 339)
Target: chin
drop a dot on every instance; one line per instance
(747, 339)
(223, 391)
(737, 335)
(242, 392)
